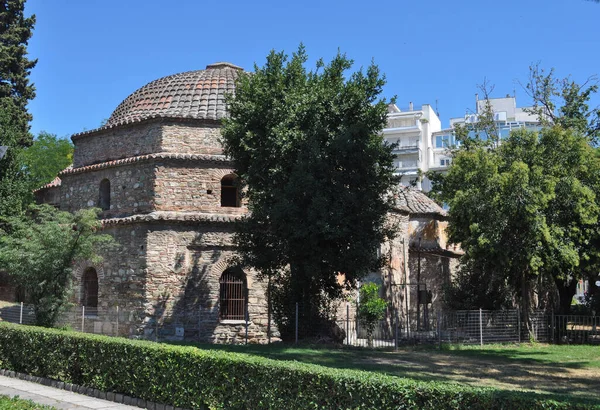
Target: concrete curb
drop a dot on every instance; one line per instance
(89, 391)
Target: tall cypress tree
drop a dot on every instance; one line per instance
(15, 92)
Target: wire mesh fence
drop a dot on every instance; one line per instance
(453, 327)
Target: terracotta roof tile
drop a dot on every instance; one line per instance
(198, 95)
(413, 201)
(185, 217)
(148, 157)
(53, 184)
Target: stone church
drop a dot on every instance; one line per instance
(170, 198)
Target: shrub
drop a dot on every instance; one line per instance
(188, 377)
(371, 308)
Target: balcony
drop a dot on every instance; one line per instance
(407, 165)
(406, 147)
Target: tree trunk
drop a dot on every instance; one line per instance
(526, 303)
(566, 291)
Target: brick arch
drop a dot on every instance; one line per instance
(222, 264)
(219, 173)
(81, 266)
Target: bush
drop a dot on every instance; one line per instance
(371, 308)
(188, 377)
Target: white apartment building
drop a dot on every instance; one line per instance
(507, 117)
(411, 129)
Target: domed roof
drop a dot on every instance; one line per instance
(194, 94)
(414, 201)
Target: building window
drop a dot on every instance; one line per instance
(104, 200)
(445, 162)
(230, 196)
(89, 292)
(233, 296)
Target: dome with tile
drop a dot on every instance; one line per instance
(194, 94)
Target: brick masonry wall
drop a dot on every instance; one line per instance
(131, 189)
(393, 275)
(121, 282)
(191, 138)
(123, 142)
(189, 186)
(153, 136)
(185, 264)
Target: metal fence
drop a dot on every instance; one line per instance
(454, 327)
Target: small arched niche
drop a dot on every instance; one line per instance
(104, 198)
(230, 195)
(89, 289)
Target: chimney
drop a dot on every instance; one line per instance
(410, 106)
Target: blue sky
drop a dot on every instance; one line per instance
(94, 53)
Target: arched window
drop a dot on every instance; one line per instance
(89, 284)
(233, 296)
(104, 200)
(229, 191)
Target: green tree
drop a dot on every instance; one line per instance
(371, 309)
(564, 102)
(15, 67)
(308, 148)
(15, 92)
(46, 158)
(15, 191)
(39, 248)
(527, 210)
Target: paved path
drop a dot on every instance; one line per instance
(50, 396)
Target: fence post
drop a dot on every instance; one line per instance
(553, 326)
(296, 322)
(439, 327)
(199, 322)
(247, 317)
(82, 319)
(117, 329)
(156, 325)
(396, 337)
(480, 326)
(347, 323)
(21, 315)
(519, 323)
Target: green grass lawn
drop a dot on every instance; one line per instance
(19, 404)
(550, 369)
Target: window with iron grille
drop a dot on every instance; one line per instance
(90, 290)
(233, 298)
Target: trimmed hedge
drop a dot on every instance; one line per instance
(187, 377)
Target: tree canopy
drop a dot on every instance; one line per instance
(38, 250)
(15, 67)
(15, 93)
(308, 150)
(45, 158)
(526, 210)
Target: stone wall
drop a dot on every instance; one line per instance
(50, 196)
(394, 275)
(190, 186)
(434, 273)
(121, 282)
(185, 264)
(131, 189)
(153, 136)
(191, 138)
(116, 143)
